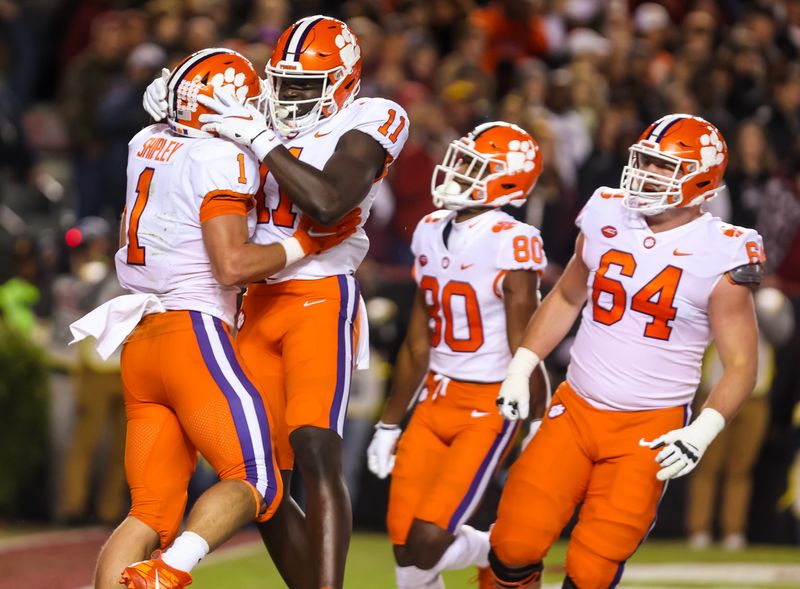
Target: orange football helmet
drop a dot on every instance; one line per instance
(204, 72)
(314, 48)
(495, 164)
(689, 147)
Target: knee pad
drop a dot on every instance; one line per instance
(507, 576)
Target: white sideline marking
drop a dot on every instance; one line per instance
(719, 572)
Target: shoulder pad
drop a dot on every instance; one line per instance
(746, 275)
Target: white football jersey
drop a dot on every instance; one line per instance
(384, 121)
(174, 184)
(463, 288)
(645, 324)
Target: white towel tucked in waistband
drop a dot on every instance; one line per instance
(112, 322)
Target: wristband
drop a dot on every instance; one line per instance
(708, 424)
(263, 143)
(523, 363)
(294, 251)
(387, 426)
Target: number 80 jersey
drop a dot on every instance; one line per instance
(462, 282)
(645, 324)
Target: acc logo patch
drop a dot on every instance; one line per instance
(609, 231)
(556, 410)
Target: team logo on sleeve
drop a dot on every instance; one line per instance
(556, 410)
(423, 260)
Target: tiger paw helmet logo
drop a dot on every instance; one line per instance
(229, 81)
(713, 151)
(349, 50)
(521, 156)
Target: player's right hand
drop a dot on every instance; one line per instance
(513, 400)
(155, 97)
(380, 453)
(315, 238)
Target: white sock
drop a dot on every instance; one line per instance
(416, 578)
(187, 550)
(470, 548)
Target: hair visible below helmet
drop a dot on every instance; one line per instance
(205, 72)
(315, 48)
(494, 165)
(692, 148)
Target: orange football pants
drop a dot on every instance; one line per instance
(582, 453)
(186, 389)
(447, 455)
(299, 340)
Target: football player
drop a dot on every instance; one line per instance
(190, 210)
(478, 275)
(302, 331)
(656, 278)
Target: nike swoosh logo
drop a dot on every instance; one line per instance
(318, 134)
(677, 253)
(309, 303)
(465, 266)
(476, 413)
(247, 118)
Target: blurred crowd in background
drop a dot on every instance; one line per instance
(583, 76)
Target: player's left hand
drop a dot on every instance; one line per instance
(242, 123)
(683, 448)
(315, 238)
(380, 453)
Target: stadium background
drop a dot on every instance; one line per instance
(583, 76)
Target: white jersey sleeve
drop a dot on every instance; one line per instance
(521, 249)
(225, 178)
(385, 121)
(748, 247)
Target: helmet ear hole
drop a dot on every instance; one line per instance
(508, 186)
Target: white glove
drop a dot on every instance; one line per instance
(514, 397)
(242, 123)
(683, 448)
(380, 453)
(155, 97)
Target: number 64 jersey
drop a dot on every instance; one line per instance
(460, 268)
(645, 324)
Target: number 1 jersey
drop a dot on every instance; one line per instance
(645, 324)
(174, 185)
(462, 282)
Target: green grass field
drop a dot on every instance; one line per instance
(660, 565)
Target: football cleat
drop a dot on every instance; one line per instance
(154, 574)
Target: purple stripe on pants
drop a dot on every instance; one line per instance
(237, 412)
(340, 359)
(476, 481)
(258, 404)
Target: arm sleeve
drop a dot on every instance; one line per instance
(521, 248)
(225, 178)
(747, 257)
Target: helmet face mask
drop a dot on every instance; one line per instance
(494, 165)
(206, 72)
(318, 52)
(678, 162)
